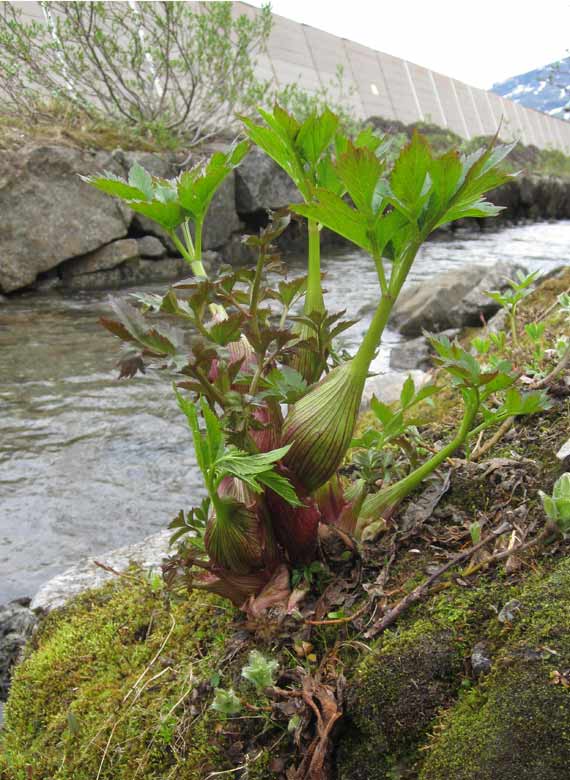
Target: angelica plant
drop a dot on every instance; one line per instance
(270, 403)
(305, 151)
(392, 212)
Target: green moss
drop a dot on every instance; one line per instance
(90, 695)
(394, 695)
(516, 723)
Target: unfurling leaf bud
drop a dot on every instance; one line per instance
(320, 426)
(234, 536)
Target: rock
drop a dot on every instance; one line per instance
(454, 299)
(17, 622)
(387, 387)
(498, 322)
(86, 574)
(48, 214)
(100, 280)
(160, 165)
(516, 725)
(416, 353)
(480, 660)
(235, 252)
(262, 184)
(146, 271)
(413, 354)
(131, 273)
(222, 219)
(510, 612)
(150, 247)
(102, 259)
(392, 698)
(564, 451)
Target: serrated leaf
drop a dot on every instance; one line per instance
(382, 411)
(315, 135)
(280, 485)
(141, 180)
(407, 394)
(359, 170)
(331, 211)
(409, 174)
(113, 185)
(200, 448)
(167, 215)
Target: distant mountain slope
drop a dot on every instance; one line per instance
(533, 90)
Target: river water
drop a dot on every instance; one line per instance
(88, 463)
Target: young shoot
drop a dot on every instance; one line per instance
(175, 204)
(557, 505)
(509, 300)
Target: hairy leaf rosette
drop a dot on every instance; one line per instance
(320, 425)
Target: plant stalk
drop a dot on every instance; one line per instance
(189, 252)
(314, 299)
(395, 493)
(308, 363)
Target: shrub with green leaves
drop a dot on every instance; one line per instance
(270, 402)
(180, 68)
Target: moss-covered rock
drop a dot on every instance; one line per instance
(110, 690)
(516, 723)
(393, 697)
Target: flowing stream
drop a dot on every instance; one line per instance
(88, 463)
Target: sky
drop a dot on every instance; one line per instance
(480, 43)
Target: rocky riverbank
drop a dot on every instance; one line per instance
(87, 241)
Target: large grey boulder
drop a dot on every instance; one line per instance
(416, 353)
(453, 299)
(262, 184)
(48, 214)
(85, 574)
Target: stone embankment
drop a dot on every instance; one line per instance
(58, 231)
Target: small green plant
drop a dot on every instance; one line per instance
(176, 204)
(535, 332)
(395, 431)
(509, 301)
(557, 505)
(260, 671)
(226, 702)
